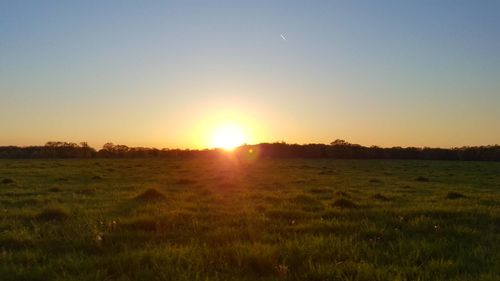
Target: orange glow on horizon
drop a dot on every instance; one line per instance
(225, 125)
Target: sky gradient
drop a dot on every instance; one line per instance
(166, 74)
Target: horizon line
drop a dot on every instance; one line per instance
(345, 143)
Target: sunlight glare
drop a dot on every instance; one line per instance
(228, 137)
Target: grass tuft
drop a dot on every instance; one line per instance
(422, 179)
(454, 195)
(344, 203)
(379, 197)
(7, 181)
(150, 195)
(54, 213)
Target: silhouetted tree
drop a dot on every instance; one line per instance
(336, 149)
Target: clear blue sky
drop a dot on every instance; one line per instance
(164, 74)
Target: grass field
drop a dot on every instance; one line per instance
(159, 219)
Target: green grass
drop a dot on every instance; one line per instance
(201, 219)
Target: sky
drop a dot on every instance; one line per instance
(169, 73)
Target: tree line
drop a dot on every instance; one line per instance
(337, 149)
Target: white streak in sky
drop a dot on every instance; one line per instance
(283, 37)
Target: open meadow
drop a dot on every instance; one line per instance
(220, 219)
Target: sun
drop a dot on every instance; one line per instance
(228, 137)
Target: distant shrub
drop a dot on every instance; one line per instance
(97, 178)
(454, 195)
(344, 203)
(375, 181)
(150, 195)
(422, 179)
(7, 181)
(54, 189)
(54, 213)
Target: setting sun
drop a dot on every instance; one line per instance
(228, 137)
